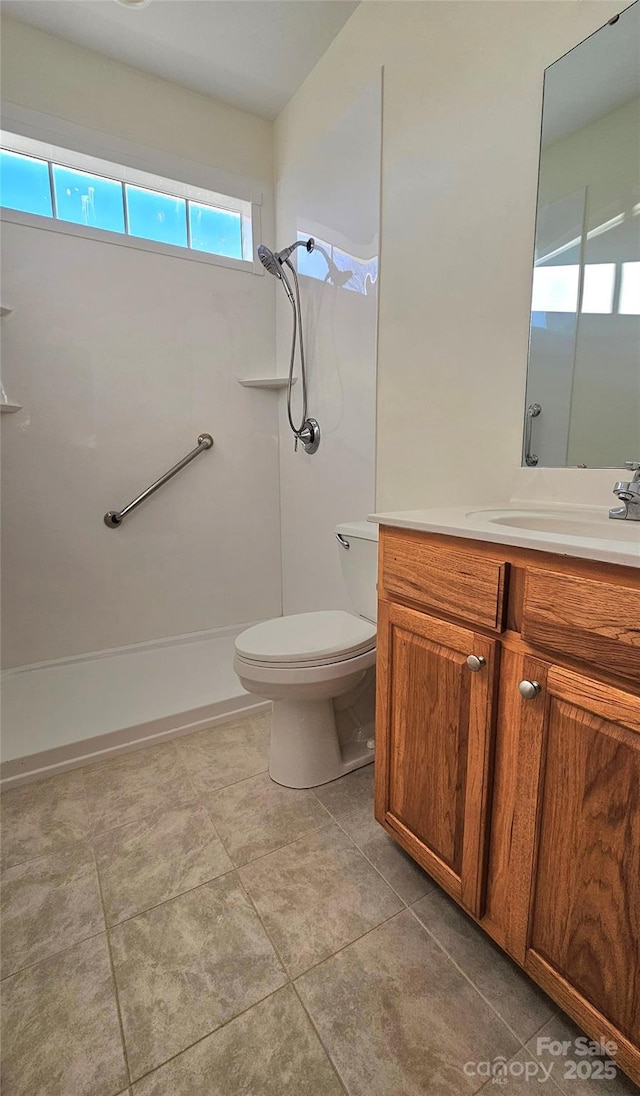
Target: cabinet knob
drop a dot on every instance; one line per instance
(529, 689)
(475, 663)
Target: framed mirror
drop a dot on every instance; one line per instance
(583, 382)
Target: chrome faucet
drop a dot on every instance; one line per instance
(628, 491)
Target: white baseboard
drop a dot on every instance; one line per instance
(38, 766)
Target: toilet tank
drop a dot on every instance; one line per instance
(359, 563)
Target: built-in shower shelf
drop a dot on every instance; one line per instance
(9, 408)
(5, 310)
(265, 382)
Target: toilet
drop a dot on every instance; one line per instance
(319, 671)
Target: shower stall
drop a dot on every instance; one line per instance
(118, 633)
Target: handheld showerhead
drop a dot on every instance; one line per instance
(269, 260)
(272, 263)
(308, 432)
(273, 260)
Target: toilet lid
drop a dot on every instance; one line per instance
(307, 637)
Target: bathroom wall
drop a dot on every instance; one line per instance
(120, 358)
(328, 187)
(44, 73)
(461, 130)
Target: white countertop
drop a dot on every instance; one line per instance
(613, 541)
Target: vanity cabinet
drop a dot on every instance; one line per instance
(438, 744)
(584, 922)
(508, 756)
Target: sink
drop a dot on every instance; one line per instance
(595, 524)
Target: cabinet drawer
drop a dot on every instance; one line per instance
(596, 622)
(443, 580)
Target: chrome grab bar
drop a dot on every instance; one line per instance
(533, 410)
(114, 518)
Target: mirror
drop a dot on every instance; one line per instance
(583, 383)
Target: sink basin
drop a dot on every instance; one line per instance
(586, 523)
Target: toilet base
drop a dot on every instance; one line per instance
(305, 750)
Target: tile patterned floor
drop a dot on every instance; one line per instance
(175, 924)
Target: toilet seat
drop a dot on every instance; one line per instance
(305, 640)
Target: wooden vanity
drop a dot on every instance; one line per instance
(525, 809)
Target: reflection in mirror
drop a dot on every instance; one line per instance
(584, 349)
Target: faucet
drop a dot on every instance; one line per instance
(629, 494)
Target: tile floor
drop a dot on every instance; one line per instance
(175, 924)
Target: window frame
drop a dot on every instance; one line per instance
(135, 169)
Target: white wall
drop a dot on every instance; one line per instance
(328, 187)
(121, 357)
(47, 74)
(462, 108)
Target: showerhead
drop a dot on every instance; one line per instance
(272, 261)
(273, 264)
(269, 260)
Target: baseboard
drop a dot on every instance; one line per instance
(38, 766)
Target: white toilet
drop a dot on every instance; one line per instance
(318, 668)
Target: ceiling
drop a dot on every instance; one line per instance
(252, 54)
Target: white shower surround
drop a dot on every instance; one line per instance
(328, 186)
(116, 638)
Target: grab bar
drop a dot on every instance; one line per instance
(114, 518)
(533, 410)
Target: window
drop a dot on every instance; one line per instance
(215, 230)
(87, 199)
(555, 288)
(630, 290)
(25, 184)
(156, 216)
(83, 190)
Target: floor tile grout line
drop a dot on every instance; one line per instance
(180, 804)
(343, 947)
(91, 832)
(454, 963)
(198, 799)
(383, 877)
(280, 848)
(292, 978)
(58, 850)
(234, 868)
(208, 1034)
(333, 1065)
(112, 968)
(170, 898)
(53, 955)
(265, 930)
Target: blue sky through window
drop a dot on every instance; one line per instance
(155, 216)
(216, 230)
(88, 199)
(24, 183)
(79, 189)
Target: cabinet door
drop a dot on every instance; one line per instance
(584, 925)
(433, 745)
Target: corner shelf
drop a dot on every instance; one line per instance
(265, 382)
(5, 310)
(10, 408)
